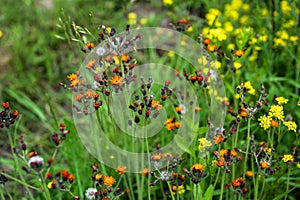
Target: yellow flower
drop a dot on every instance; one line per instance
(245, 7)
(181, 189)
(143, 21)
(298, 165)
(294, 40)
(263, 38)
(244, 19)
(265, 121)
(132, 18)
(288, 158)
(197, 167)
(279, 42)
(281, 100)
(109, 180)
(171, 53)
(291, 125)
(249, 87)
(202, 60)
(218, 64)
(237, 65)
(1, 33)
(264, 12)
(168, 2)
(277, 111)
(228, 27)
(298, 104)
(231, 46)
(204, 144)
(285, 7)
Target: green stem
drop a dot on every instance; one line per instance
(21, 182)
(247, 148)
(1, 193)
(279, 136)
(17, 167)
(287, 184)
(171, 192)
(255, 184)
(222, 186)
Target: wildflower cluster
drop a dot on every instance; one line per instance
(111, 70)
(276, 116)
(226, 158)
(238, 185)
(7, 116)
(196, 173)
(103, 185)
(144, 103)
(263, 156)
(62, 180)
(292, 158)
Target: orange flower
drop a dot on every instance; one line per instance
(197, 167)
(238, 182)
(239, 53)
(264, 164)
(249, 173)
(5, 105)
(156, 105)
(65, 174)
(121, 169)
(89, 45)
(220, 162)
(116, 80)
(156, 157)
(206, 41)
(170, 126)
(78, 97)
(98, 177)
(71, 178)
(91, 64)
(177, 124)
(72, 77)
(274, 123)
(243, 112)
(223, 152)
(145, 172)
(218, 139)
(109, 180)
(32, 153)
(75, 83)
(211, 48)
(89, 94)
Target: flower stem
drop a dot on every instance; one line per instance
(170, 189)
(288, 182)
(222, 186)
(17, 168)
(247, 148)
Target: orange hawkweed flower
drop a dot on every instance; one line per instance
(243, 112)
(264, 164)
(72, 77)
(90, 45)
(249, 173)
(177, 124)
(91, 64)
(71, 178)
(78, 97)
(239, 53)
(32, 153)
(274, 123)
(197, 167)
(220, 162)
(211, 48)
(218, 139)
(65, 174)
(156, 105)
(238, 182)
(156, 157)
(121, 169)
(206, 41)
(109, 180)
(116, 80)
(75, 83)
(98, 177)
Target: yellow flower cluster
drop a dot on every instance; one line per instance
(288, 158)
(204, 144)
(281, 100)
(249, 87)
(276, 111)
(292, 126)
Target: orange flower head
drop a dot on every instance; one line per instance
(90, 45)
(274, 123)
(177, 124)
(72, 77)
(98, 177)
(249, 173)
(220, 162)
(264, 164)
(206, 41)
(121, 169)
(218, 139)
(65, 174)
(32, 153)
(5, 105)
(116, 80)
(211, 48)
(156, 105)
(71, 178)
(91, 64)
(239, 53)
(197, 167)
(109, 180)
(156, 157)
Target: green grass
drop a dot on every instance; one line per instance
(38, 49)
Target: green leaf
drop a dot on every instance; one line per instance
(209, 193)
(202, 130)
